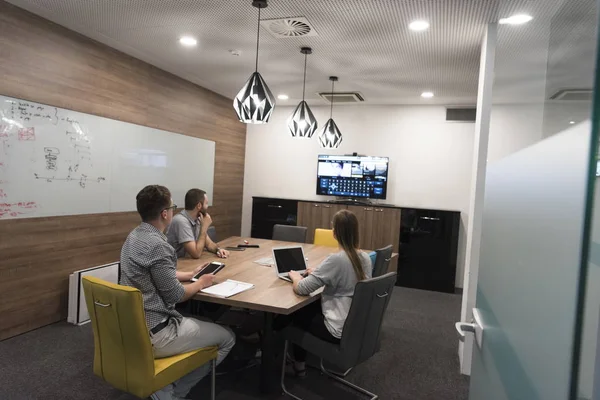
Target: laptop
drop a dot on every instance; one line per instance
(288, 259)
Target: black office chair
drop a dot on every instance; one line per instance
(212, 233)
(382, 260)
(360, 337)
(290, 233)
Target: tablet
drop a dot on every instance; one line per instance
(211, 268)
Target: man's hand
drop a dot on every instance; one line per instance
(205, 220)
(198, 269)
(187, 276)
(206, 280)
(295, 276)
(310, 270)
(222, 253)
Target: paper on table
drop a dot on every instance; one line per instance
(228, 288)
(267, 261)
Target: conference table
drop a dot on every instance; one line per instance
(270, 294)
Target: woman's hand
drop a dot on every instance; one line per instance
(295, 276)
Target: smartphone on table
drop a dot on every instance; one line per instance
(235, 248)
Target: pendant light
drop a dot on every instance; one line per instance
(255, 102)
(302, 123)
(330, 136)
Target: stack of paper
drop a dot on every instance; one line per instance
(228, 288)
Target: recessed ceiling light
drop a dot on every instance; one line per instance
(427, 95)
(418, 25)
(188, 41)
(515, 19)
(572, 122)
(283, 97)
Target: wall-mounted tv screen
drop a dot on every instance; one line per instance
(352, 176)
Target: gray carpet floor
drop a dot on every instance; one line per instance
(418, 360)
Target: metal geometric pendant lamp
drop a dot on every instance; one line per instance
(330, 136)
(255, 102)
(302, 123)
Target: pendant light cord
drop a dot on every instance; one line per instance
(257, 39)
(331, 110)
(304, 84)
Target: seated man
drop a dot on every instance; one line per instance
(149, 264)
(187, 233)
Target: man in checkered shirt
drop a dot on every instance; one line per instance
(149, 264)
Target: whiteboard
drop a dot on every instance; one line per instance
(60, 162)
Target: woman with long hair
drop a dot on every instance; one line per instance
(339, 274)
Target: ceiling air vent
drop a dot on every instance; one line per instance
(342, 97)
(573, 95)
(464, 114)
(288, 27)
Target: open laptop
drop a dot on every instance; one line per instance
(288, 259)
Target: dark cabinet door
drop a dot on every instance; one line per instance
(386, 228)
(365, 216)
(268, 212)
(314, 215)
(327, 213)
(310, 215)
(428, 249)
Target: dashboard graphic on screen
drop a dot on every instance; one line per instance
(352, 176)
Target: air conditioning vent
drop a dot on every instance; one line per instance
(573, 95)
(288, 27)
(342, 97)
(466, 114)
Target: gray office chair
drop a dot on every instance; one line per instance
(212, 233)
(360, 338)
(382, 261)
(290, 233)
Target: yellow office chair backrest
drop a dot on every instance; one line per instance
(123, 353)
(324, 237)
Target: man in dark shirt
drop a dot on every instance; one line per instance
(149, 264)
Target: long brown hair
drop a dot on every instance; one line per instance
(345, 230)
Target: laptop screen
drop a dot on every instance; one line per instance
(289, 259)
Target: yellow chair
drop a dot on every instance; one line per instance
(123, 354)
(324, 237)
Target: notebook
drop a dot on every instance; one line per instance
(228, 288)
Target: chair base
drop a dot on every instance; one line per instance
(338, 373)
(329, 374)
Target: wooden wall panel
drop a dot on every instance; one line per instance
(49, 64)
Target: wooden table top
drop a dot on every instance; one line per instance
(270, 293)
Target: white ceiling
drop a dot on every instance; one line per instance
(554, 51)
(366, 43)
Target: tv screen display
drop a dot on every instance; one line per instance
(352, 176)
